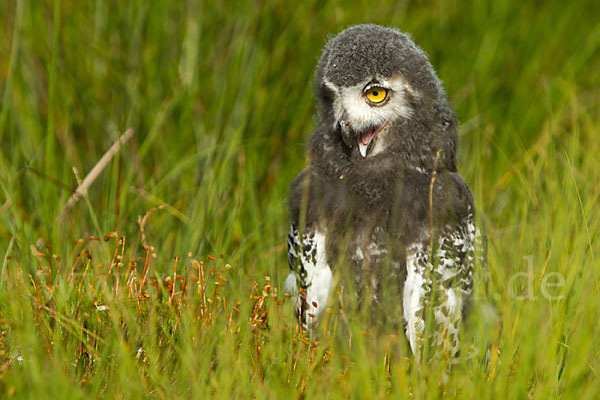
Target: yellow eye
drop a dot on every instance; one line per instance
(376, 94)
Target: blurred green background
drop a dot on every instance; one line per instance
(220, 97)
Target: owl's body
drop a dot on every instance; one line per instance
(382, 189)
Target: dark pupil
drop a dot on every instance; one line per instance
(375, 93)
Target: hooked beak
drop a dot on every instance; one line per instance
(363, 138)
(346, 131)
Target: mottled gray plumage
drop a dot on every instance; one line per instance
(382, 186)
(367, 51)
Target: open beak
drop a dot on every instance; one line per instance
(364, 138)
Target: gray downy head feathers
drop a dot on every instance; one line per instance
(414, 127)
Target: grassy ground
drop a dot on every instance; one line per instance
(162, 280)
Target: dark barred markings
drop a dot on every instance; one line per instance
(310, 274)
(452, 274)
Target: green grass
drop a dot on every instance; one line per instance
(220, 100)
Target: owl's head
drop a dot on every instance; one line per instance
(380, 95)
